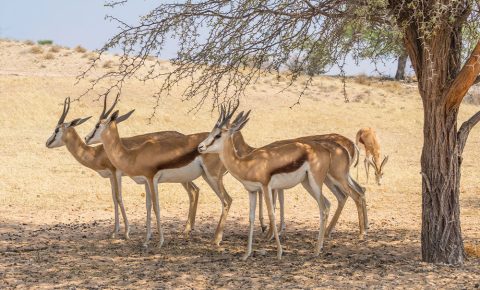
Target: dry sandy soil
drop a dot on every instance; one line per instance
(56, 216)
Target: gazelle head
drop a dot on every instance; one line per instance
(95, 135)
(56, 140)
(379, 169)
(223, 129)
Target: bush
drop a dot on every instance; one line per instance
(45, 42)
(108, 64)
(55, 49)
(49, 56)
(80, 49)
(36, 50)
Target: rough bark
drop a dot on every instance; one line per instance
(401, 65)
(442, 86)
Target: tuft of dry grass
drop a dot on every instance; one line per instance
(362, 79)
(108, 64)
(80, 49)
(55, 49)
(472, 250)
(49, 56)
(36, 50)
(29, 42)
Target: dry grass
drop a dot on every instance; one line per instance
(472, 250)
(362, 79)
(49, 56)
(58, 222)
(29, 42)
(55, 49)
(36, 50)
(108, 64)
(80, 49)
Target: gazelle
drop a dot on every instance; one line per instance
(278, 166)
(171, 160)
(96, 159)
(367, 138)
(243, 148)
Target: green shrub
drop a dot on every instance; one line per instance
(45, 42)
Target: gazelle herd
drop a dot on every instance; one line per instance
(172, 157)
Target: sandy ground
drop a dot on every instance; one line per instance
(56, 216)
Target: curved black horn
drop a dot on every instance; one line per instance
(66, 108)
(105, 114)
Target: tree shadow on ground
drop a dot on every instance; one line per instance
(72, 255)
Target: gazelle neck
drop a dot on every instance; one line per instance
(229, 156)
(75, 145)
(241, 147)
(113, 146)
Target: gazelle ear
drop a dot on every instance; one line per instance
(77, 122)
(124, 117)
(113, 117)
(384, 162)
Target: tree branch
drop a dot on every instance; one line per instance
(464, 80)
(464, 130)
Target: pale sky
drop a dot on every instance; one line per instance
(82, 22)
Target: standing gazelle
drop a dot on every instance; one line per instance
(243, 148)
(367, 139)
(279, 166)
(171, 160)
(95, 158)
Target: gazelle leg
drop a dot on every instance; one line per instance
(192, 198)
(152, 183)
(148, 205)
(253, 203)
(366, 164)
(281, 199)
(122, 207)
(196, 195)
(260, 211)
(315, 191)
(341, 198)
(114, 186)
(225, 199)
(267, 194)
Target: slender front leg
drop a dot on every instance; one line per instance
(267, 193)
(253, 204)
(114, 186)
(260, 211)
(191, 197)
(196, 195)
(225, 199)
(148, 204)
(341, 198)
(152, 183)
(366, 164)
(122, 207)
(281, 200)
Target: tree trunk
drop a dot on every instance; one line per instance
(402, 63)
(441, 232)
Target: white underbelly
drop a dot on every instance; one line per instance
(290, 179)
(182, 174)
(251, 186)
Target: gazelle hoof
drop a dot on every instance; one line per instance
(279, 254)
(264, 228)
(160, 243)
(362, 236)
(127, 236)
(245, 257)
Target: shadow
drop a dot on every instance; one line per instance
(83, 255)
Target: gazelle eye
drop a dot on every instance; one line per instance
(217, 136)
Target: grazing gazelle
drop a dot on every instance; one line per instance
(96, 159)
(367, 139)
(171, 160)
(279, 166)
